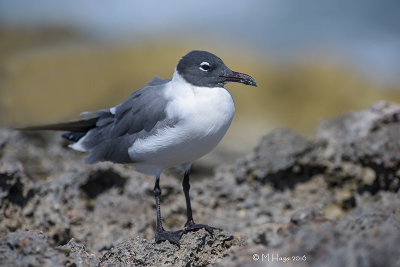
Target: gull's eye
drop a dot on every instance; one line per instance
(205, 66)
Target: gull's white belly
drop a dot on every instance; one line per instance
(204, 115)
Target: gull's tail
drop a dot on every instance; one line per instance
(75, 129)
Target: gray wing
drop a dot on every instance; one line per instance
(140, 116)
(158, 81)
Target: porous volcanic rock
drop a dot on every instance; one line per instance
(331, 200)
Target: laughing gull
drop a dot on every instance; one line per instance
(170, 122)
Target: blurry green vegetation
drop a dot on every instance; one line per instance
(54, 74)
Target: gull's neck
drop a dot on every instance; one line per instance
(177, 78)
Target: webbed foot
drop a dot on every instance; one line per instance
(173, 237)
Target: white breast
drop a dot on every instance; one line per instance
(204, 115)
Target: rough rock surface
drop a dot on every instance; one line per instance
(196, 248)
(328, 201)
(29, 248)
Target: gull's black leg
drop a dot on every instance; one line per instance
(157, 194)
(190, 225)
(186, 188)
(161, 234)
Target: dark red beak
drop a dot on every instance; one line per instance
(239, 78)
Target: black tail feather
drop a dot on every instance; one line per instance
(81, 126)
(73, 136)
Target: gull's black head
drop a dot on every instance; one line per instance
(201, 68)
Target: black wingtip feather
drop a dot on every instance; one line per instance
(73, 126)
(73, 136)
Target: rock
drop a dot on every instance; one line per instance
(361, 238)
(16, 191)
(78, 256)
(368, 138)
(306, 215)
(352, 126)
(333, 199)
(196, 249)
(32, 248)
(276, 160)
(29, 249)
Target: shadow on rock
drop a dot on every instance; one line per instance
(102, 180)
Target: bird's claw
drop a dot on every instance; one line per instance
(191, 227)
(172, 237)
(175, 237)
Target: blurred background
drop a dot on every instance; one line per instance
(311, 59)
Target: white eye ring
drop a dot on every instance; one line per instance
(204, 66)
